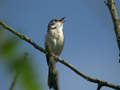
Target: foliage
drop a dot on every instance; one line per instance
(18, 63)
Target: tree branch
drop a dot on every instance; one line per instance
(99, 86)
(14, 82)
(91, 79)
(23, 37)
(116, 20)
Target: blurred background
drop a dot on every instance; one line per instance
(90, 43)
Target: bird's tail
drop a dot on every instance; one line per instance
(52, 73)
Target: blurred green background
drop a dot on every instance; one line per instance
(17, 62)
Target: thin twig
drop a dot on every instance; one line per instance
(14, 82)
(99, 86)
(16, 76)
(91, 79)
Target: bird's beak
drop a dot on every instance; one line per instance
(62, 19)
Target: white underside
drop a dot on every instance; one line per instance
(55, 41)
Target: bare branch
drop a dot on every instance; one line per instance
(99, 86)
(23, 37)
(91, 79)
(116, 21)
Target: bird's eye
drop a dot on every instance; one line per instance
(52, 23)
(55, 20)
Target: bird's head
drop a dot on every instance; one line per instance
(56, 23)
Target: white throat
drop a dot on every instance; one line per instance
(59, 27)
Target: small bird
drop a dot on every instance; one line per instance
(54, 43)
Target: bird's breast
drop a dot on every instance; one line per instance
(55, 41)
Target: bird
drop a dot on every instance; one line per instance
(54, 43)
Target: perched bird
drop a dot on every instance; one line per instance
(54, 43)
